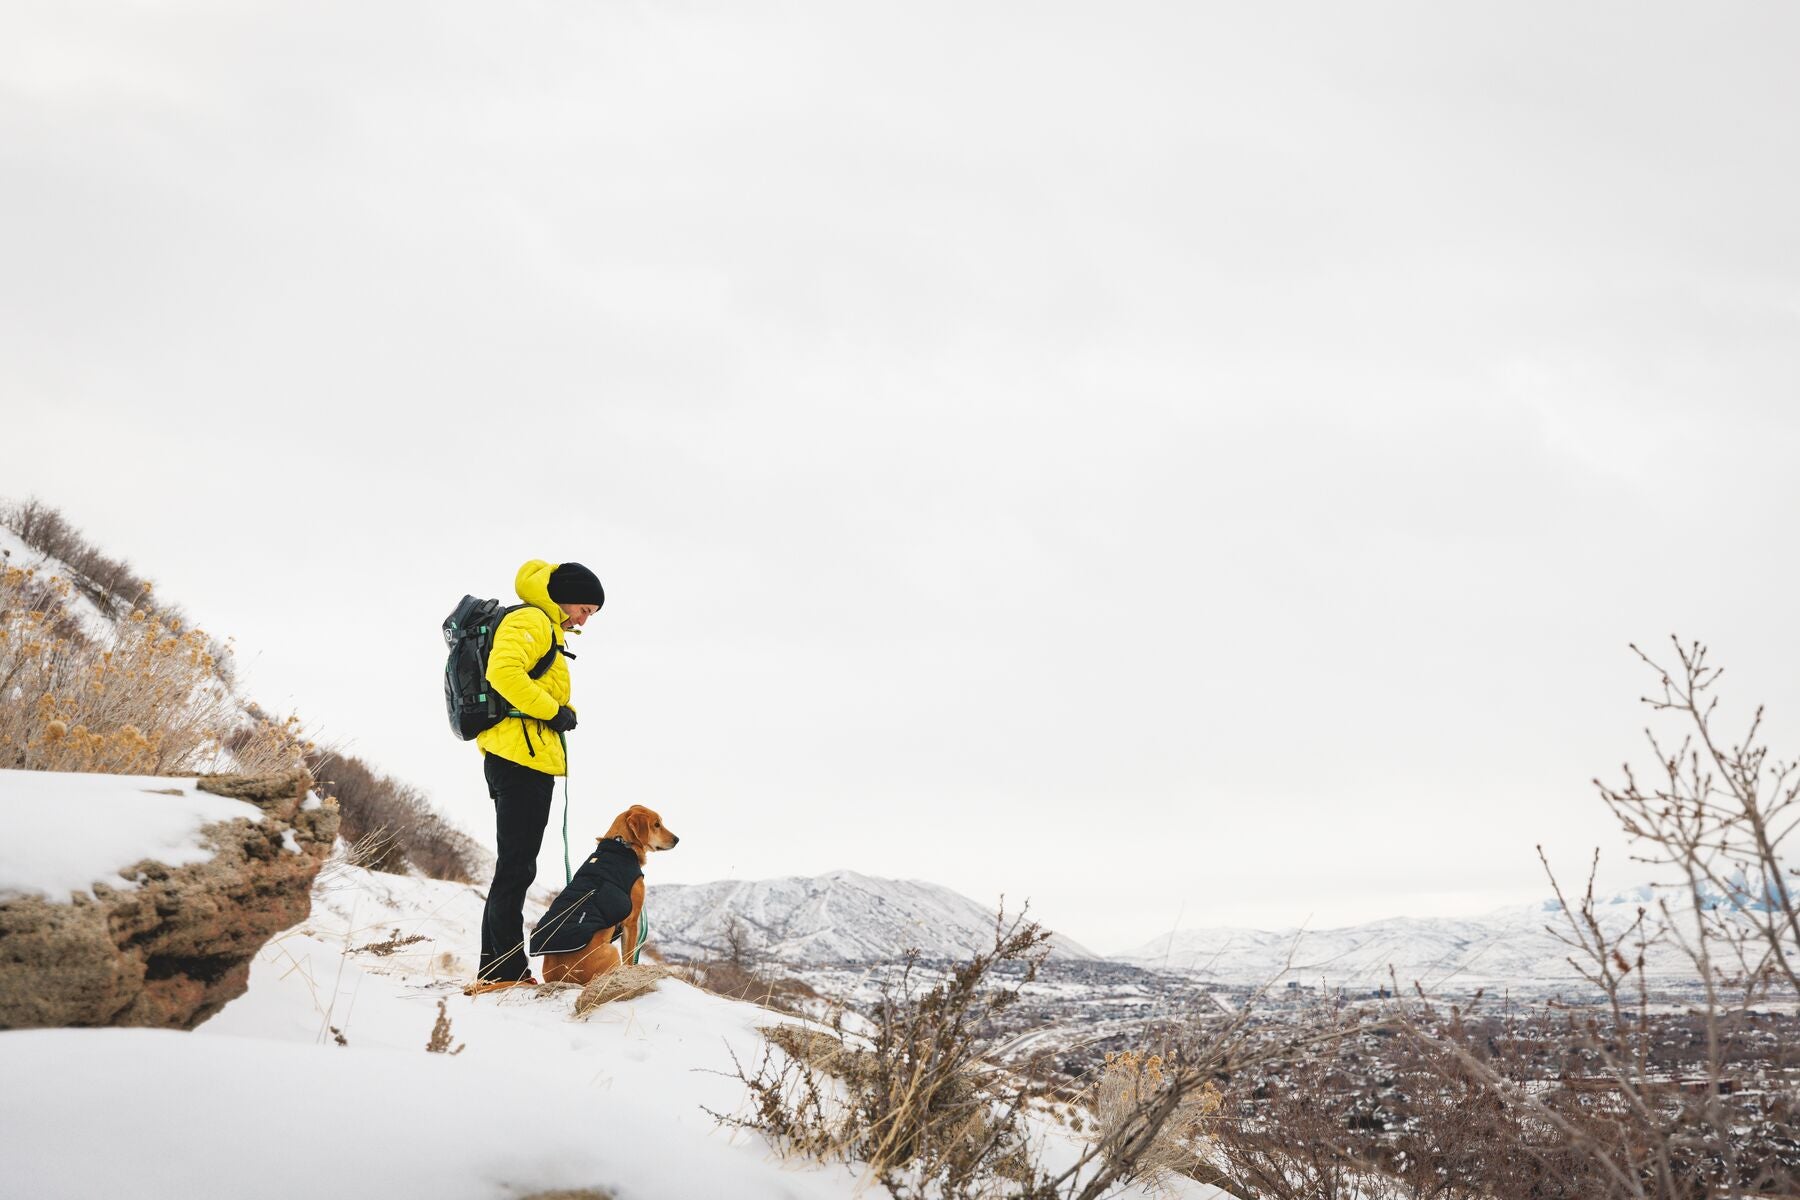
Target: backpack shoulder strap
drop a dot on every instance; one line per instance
(542, 664)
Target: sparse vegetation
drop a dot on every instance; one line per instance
(392, 944)
(1623, 1100)
(139, 691)
(738, 973)
(440, 1033)
(921, 1107)
(153, 699)
(392, 823)
(109, 583)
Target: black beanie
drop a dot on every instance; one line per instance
(573, 583)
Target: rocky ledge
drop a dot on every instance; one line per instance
(174, 949)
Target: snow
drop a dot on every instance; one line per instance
(62, 832)
(262, 1101)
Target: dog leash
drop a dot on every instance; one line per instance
(568, 875)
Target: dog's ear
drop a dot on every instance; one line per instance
(640, 821)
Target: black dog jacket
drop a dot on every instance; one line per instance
(598, 897)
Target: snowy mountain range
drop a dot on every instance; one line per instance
(1509, 947)
(843, 917)
(840, 916)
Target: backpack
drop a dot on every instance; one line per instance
(469, 631)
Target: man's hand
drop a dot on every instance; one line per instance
(563, 721)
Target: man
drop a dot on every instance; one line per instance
(523, 754)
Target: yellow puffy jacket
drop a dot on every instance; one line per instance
(522, 639)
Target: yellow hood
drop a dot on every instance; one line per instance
(533, 585)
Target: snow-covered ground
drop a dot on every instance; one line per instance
(317, 1082)
(62, 832)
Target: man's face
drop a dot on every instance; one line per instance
(576, 615)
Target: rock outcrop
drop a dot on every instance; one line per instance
(173, 950)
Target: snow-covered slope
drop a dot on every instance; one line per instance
(837, 917)
(1512, 946)
(62, 832)
(317, 1082)
(76, 604)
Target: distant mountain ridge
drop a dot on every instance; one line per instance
(1511, 946)
(846, 917)
(840, 916)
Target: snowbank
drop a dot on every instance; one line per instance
(61, 833)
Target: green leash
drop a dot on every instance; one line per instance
(568, 875)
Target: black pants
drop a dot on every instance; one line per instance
(521, 810)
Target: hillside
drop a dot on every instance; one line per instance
(317, 1081)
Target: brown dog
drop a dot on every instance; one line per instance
(642, 831)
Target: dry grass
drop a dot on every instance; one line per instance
(153, 699)
(1131, 1079)
(739, 981)
(440, 1033)
(624, 982)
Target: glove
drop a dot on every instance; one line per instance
(563, 721)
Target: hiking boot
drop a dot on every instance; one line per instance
(482, 986)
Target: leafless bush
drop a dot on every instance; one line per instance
(922, 1111)
(1611, 1118)
(113, 587)
(393, 822)
(921, 1106)
(739, 973)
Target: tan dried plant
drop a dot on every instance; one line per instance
(147, 696)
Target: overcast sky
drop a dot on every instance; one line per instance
(1182, 463)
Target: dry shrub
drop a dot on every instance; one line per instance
(1287, 1128)
(112, 585)
(922, 1110)
(921, 1106)
(392, 824)
(823, 1050)
(151, 702)
(1131, 1079)
(573, 1194)
(736, 981)
(1606, 1107)
(627, 981)
(1621, 1099)
(739, 974)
